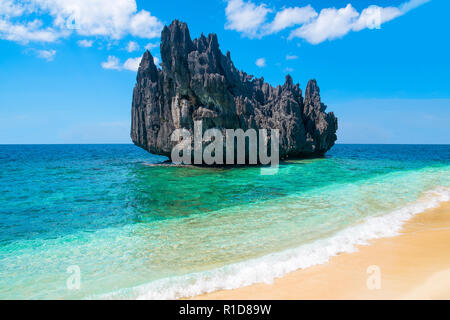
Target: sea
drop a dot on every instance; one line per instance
(106, 222)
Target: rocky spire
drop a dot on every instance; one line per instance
(147, 68)
(312, 96)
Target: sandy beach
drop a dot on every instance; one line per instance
(413, 265)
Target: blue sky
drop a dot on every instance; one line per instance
(67, 68)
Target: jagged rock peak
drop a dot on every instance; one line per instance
(147, 67)
(197, 82)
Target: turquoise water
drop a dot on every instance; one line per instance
(140, 231)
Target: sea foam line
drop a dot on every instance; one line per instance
(269, 267)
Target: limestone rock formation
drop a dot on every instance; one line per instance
(198, 82)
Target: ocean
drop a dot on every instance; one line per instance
(136, 231)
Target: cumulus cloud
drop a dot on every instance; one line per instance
(151, 46)
(335, 23)
(245, 17)
(111, 19)
(144, 25)
(373, 16)
(48, 55)
(113, 63)
(250, 19)
(330, 24)
(11, 8)
(132, 46)
(289, 17)
(85, 43)
(29, 31)
(261, 62)
(291, 57)
(131, 64)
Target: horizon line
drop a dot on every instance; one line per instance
(119, 143)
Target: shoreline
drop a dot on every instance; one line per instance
(413, 265)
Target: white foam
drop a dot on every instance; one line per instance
(267, 268)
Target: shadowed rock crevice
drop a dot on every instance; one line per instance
(198, 83)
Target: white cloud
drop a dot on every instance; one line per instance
(85, 43)
(261, 62)
(291, 57)
(113, 63)
(245, 17)
(132, 46)
(48, 55)
(290, 17)
(412, 4)
(335, 23)
(250, 19)
(29, 31)
(151, 46)
(10, 8)
(373, 16)
(132, 64)
(156, 61)
(111, 19)
(144, 25)
(331, 24)
(288, 70)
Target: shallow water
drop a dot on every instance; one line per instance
(164, 232)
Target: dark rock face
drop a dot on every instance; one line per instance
(197, 82)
